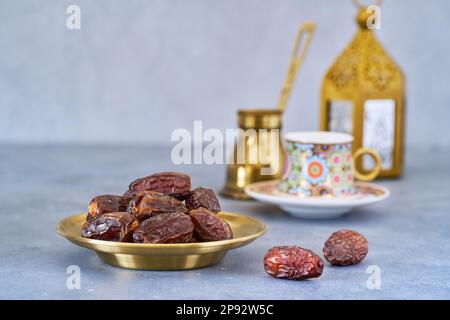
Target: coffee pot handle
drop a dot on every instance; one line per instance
(307, 30)
(369, 176)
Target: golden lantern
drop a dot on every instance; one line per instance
(363, 94)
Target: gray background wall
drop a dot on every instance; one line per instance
(139, 69)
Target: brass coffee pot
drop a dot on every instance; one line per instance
(259, 136)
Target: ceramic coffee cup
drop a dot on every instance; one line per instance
(322, 164)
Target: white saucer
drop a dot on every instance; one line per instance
(317, 207)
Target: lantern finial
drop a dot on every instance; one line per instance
(362, 18)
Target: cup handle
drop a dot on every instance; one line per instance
(376, 169)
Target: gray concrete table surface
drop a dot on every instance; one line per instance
(409, 234)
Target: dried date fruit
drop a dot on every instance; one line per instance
(147, 204)
(293, 263)
(209, 226)
(130, 194)
(169, 183)
(345, 247)
(137, 197)
(194, 240)
(202, 197)
(113, 226)
(174, 227)
(106, 204)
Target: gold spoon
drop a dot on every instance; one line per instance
(298, 55)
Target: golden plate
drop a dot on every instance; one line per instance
(165, 256)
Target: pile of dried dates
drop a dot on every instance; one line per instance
(342, 248)
(160, 208)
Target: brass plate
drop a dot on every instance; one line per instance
(165, 256)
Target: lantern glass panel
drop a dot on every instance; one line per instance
(378, 132)
(340, 116)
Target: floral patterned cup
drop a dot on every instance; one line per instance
(322, 164)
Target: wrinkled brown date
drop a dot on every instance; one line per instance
(174, 227)
(137, 197)
(209, 226)
(113, 226)
(193, 240)
(147, 204)
(345, 247)
(293, 263)
(202, 197)
(106, 204)
(130, 194)
(169, 183)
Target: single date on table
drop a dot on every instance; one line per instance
(226, 309)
